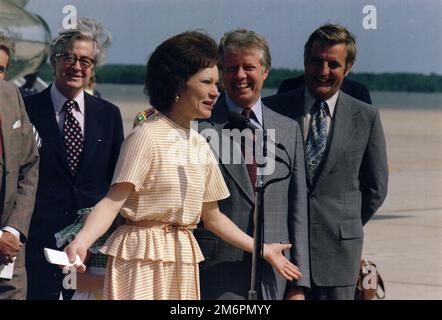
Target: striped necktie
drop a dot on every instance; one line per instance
(247, 150)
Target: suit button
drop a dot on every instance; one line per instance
(75, 188)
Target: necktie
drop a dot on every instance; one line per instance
(73, 137)
(247, 150)
(316, 138)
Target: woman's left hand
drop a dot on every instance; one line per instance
(273, 255)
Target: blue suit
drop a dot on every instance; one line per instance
(60, 194)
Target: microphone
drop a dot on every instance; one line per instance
(238, 121)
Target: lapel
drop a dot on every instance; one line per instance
(92, 125)
(8, 117)
(237, 172)
(270, 122)
(299, 113)
(343, 124)
(46, 124)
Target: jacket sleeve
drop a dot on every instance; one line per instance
(20, 216)
(374, 171)
(298, 217)
(116, 143)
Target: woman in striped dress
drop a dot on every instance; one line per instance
(166, 180)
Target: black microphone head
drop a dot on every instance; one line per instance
(237, 120)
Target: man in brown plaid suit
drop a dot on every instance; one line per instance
(19, 174)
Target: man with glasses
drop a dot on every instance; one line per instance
(80, 141)
(7, 50)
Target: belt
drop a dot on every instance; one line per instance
(174, 228)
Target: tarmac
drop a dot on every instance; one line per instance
(404, 238)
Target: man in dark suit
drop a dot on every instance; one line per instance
(353, 88)
(81, 137)
(226, 272)
(346, 161)
(19, 176)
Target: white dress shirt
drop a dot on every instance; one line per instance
(256, 108)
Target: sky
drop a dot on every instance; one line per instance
(393, 36)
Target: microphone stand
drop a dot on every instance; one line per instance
(258, 224)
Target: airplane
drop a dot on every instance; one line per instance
(31, 35)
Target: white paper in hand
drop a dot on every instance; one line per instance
(6, 271)
(61, 258)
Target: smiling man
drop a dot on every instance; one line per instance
(346, 160)
(81, 137)
(245, 59)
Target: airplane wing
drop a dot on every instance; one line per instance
(21, 3)
(30, 34)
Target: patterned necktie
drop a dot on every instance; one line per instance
(73, 137)
(316, 138)
(247, 149)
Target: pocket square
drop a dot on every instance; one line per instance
(17, 124)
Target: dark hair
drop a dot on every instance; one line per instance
(174, 62)
(332, 34)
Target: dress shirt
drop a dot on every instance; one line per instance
(256, 108)
(12, 230)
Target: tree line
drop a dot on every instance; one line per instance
(410, 82)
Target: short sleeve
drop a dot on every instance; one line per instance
(135, 158)
(216, 188)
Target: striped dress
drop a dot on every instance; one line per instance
(173, 172)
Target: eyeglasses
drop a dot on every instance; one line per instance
(3, 70)
(70, 59)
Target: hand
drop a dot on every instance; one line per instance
(9, 247)
(296, 293)
(74, 249)
(273, 255)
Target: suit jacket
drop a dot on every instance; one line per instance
(350, 187)
(353, 88)
(60, 194)
(19, 168)
(226, 273)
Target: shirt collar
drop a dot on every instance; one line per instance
(256, 108)
(309, 101)
(58, 100)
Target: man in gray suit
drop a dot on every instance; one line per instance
(226, 272)
(18, 183)
(346, 161)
